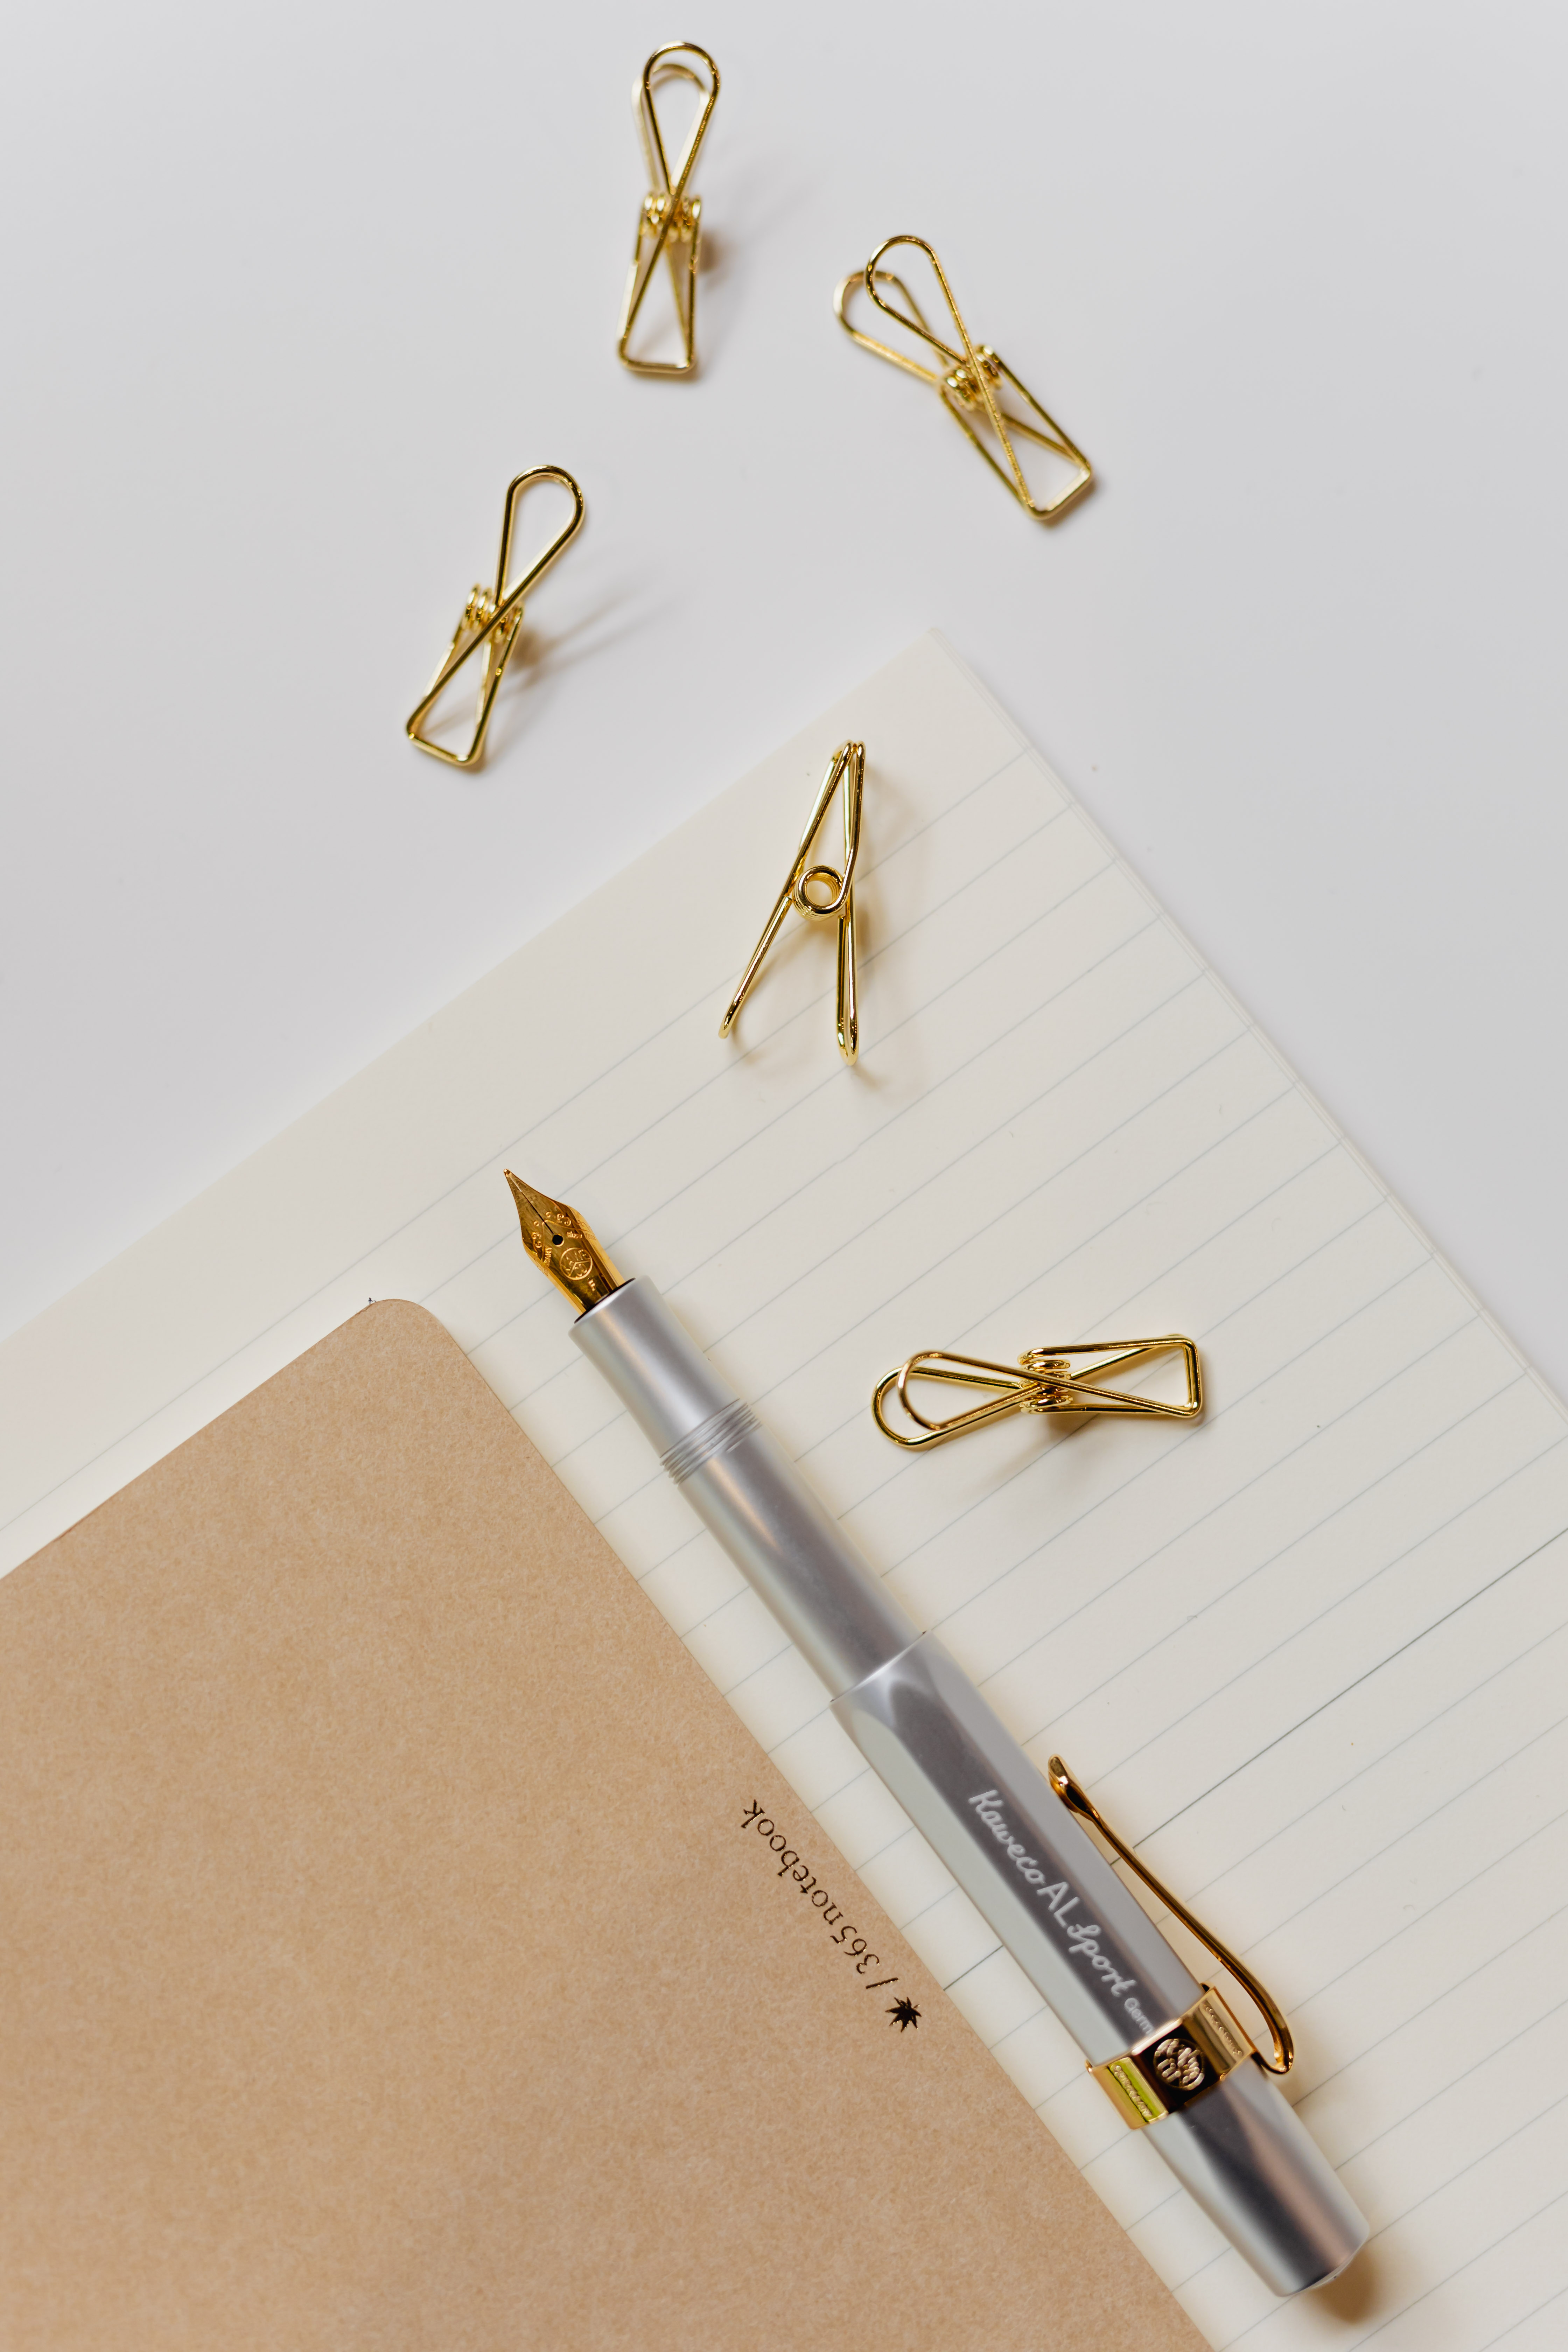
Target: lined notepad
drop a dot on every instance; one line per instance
(1310, 1655)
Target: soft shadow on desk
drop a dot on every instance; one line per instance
(1365, 2291)
(540, 658)
(735, 227)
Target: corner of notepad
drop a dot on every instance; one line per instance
(939, 640)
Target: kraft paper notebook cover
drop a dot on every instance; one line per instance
(388, 1962)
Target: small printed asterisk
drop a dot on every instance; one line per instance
(904, 2012)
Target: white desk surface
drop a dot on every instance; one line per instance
(290, 293)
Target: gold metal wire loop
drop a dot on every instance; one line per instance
(491, 619)
(1044, 1380)
(1078, 1800)
(845, 775)
(670, 222)
(969, 384)
(821, 910)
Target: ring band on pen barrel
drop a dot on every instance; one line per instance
(1176, 2065)
(711, 1437)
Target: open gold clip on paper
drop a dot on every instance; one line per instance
(822, 894)
(1045, 1380)
(970, 379)
(669, 225)
(492, 618)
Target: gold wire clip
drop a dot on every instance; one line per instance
(967, 382)
(1080, 1802)
(845, 771)
(491, 619)
(1044, 1381)
(670, 222)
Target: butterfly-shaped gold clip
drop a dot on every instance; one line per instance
(822, 894)
(969, 382)
(1044, 1380)
(491, 619)
(670, 222)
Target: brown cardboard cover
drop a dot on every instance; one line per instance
(385, 1965)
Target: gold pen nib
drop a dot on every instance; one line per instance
(556, 1237)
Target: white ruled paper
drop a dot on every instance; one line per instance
(1310, 1655)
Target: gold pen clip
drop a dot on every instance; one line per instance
(491, 619)
(1078, 1800)
(970, 384)
(1044, 1380)
(822, 894)
(670, 222)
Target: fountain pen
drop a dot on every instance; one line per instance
(1168, 2050)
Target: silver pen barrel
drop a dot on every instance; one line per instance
(1037, 1877)
(739, 1479)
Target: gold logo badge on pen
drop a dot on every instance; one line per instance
(669, 225)
(975, 384)
(1045, 1380)
(823, 893)
(491, 619)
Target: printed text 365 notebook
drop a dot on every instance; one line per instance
(1309, 1654)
